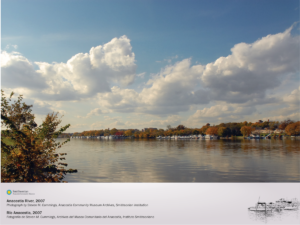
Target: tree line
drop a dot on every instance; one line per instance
(223, 130)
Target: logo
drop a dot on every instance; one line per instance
(8, 192)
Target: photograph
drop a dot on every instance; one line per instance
(169, 94)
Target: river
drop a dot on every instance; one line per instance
(131, 160)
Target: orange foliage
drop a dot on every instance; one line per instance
(212, 131)
(246, 130)
(32, 157)
(293, 128)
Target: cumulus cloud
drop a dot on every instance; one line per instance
(252, 69)
(97, 125)
(293, 98)
(238, 82)
(141, 75)
(113, 121)
(90, 73)
(172, 90)
(242, 77)
(94, 112)
(116, 124)
(220, 112)
(18, 72)
(82, 76)
(293, 116)
(41, 107)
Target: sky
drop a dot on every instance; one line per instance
(138, 64)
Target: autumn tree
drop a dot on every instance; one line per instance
(212, 131)
(196, 132)
(128, 133)
(293, 129)
(273, 125)
(113, 131)
(246, 130)
(284, 124)
(98, 133)
(31, 155)
(222, 131)
(180, 127)
(137, 134)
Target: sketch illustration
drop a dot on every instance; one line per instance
(280, 209)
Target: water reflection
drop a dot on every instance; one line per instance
(276, 216)
(183, 160)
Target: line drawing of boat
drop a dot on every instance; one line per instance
(260, 206)
(281, 204)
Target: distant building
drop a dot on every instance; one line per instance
(279, 131)
(119, 133)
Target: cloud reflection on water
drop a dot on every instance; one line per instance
(183, 161)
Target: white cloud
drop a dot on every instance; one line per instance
(141, 75)
(18, 72)
(11, 46)
(97, 126)
(112, 122)
(94, 112)
(84, 75)
(116, 124)
(173, 90)
(252, 69)
(238, 82)
(242, 77)
(169, 60)
(221, 113)
(294, 116)
(293, 98)
(90, 73)
(41, 107)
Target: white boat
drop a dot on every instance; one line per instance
(291, 205)
(211, 137)
(260, 206)
(281, 204)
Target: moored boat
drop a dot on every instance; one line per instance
(260, 206)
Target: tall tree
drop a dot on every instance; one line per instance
(31, 156)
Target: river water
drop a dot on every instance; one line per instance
(152, 160)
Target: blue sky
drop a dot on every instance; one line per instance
(165, 41)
